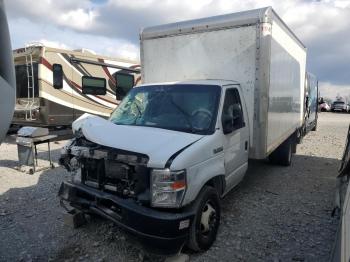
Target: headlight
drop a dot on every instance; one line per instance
(167, 187)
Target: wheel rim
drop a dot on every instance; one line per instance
(208, 219)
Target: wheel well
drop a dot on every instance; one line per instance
(218, 183)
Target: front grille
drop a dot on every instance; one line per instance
(116, 177)
(92, 170)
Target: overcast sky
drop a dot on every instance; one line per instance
(111, 27)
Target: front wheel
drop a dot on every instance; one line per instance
(206, 222)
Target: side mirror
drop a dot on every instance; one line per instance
(124, 83)
(227, 124)
(57, 76)
(93, 85)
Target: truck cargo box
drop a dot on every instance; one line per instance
(254, 48)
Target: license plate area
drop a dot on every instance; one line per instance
(110, 208)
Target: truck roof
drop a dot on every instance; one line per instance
(220, 82)
(250, 17)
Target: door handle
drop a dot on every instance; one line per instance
(246, 145)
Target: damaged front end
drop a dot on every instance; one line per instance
(115, 184)
(119, 172)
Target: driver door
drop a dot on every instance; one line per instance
(235, 143)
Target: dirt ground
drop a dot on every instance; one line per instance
(275, 214)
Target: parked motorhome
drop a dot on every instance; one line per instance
(216, 91)
(7, 76)
(39, 103)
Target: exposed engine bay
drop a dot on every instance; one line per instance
(108, 169)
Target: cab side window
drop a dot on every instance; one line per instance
(232, 109)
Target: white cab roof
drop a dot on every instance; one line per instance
(216, 82)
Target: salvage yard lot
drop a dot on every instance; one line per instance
(276, 213)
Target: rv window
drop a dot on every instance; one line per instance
(125, 82)
(22, 81)
(93, 85)
(57, 76)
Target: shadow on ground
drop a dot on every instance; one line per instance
(43, 158)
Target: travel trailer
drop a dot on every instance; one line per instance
(216, 92)
(7, 75)
(40, 103)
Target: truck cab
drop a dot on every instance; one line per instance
(178, 147)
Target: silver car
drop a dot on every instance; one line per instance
(340, 106)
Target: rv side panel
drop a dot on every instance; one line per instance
(56, 107)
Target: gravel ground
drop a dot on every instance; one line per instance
(275, 214)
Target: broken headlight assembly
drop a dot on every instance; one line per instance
(167, 188)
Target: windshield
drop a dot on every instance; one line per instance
(338, 103)
(187, 108)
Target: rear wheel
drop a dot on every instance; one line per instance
(206, 222)
(282, 154)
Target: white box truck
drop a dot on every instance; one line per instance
(216, 91)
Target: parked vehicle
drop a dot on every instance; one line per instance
(311, 103)
(324, 107)
(39, 103)
(340, 106)
(174, 146)
(7, 75)
(341, 248)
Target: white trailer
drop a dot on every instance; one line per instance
(215, 91)
(254, 48)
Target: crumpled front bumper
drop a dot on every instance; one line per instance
(158, 230)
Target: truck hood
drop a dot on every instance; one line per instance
(158, 144)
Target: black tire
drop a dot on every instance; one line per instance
(282, 154)
(203, 235)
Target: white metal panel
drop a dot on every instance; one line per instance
(158, 144)
(212, 23)
(7, 75)
(224, 54)
(286, 89)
